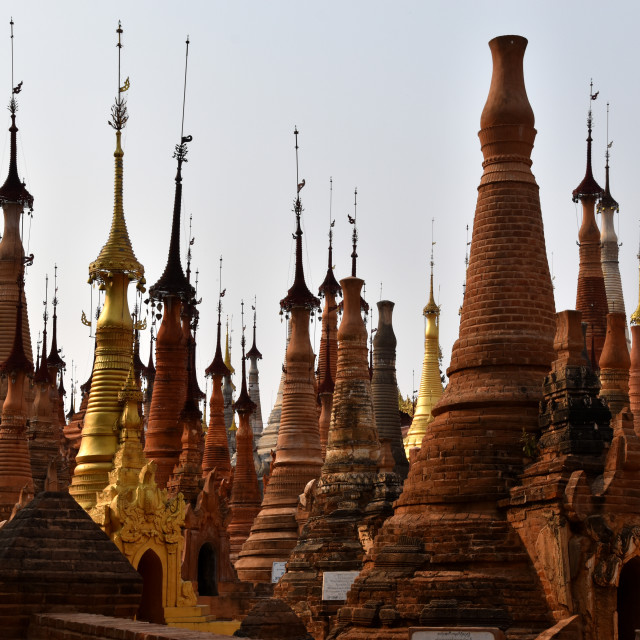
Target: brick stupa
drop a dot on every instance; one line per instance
(384, 387)
(163, 436)
(15, 465)
(328, 354)
(298, 455)
(344, 510)
(591, 296)
(245, 493)
(448, 556)
(14, 199)
(254, 383)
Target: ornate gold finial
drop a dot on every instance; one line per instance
(431, 307)
(117, 254)
(227, 351)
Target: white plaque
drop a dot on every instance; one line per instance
(277, 571)
(455, 633)
(335, 584)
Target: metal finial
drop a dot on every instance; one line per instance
(255, 311)
(55, 287)
(45, 315)
(11, 23)
(295, 133)
(119, 114)
(432, 245)
(354, 235)
(190, 244)
(242, 340)
(181, 149)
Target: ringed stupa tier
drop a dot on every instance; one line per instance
(384, 387)
(15, 465)
(115, 267)
(328, 354)
(269, 439)
(254, 355)
(164, 433)
(591, 296)
(216, 448)
(430, 381)
(634, 377)
(448, 554)
(245, 493)
(345, 513)
(298, 454)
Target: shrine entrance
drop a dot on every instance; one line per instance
(150, 568)
(628, 599)
(207, 571)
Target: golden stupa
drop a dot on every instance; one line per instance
(430, 382)
(113, 270)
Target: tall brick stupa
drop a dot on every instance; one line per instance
(591, 296)
(448, 556)
(298, 455)
(163, 437)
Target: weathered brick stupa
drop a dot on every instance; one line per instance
(115, 267)
(14, 199)
(609, 248)
(615, 363)
(254, 355)
(163, 436)
(343, 513)
(328, 354)
(298, 455)
(44, 442)
(187, 474)
(591, 296)
(216, 449)
(227, 394)
(384, 387)
(15, 466)
(269, 439)
(448, 557)
(430, 381)
(634, 377)
(245, 494)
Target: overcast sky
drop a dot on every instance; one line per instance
(387, 97)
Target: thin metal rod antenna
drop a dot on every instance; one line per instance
(330, 200)
(184, 94)
(119, 45)
(11, 23)
(295, 133)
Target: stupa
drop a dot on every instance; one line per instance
(254, 355)
(115, 268)
(228, 389)
(430, 381)
(345, 514)
(163, 435)
(15, 465)
(591, 297)
(245, 493)
(384, 387)
(298, 455)
(448, 556)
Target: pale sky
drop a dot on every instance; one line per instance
(387, 97)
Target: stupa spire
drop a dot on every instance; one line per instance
(245, 494)
(430, 381)
(54, 360)
(13, 189)
(254, 378)
(17, 361)
(298, 453)
(609, 247)
(163, 442)
(635, 316)
(591, 295)
(115, 267)
(173, 281)
(330, 284)
(216, 448)
(354, 235)
(42, 370)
